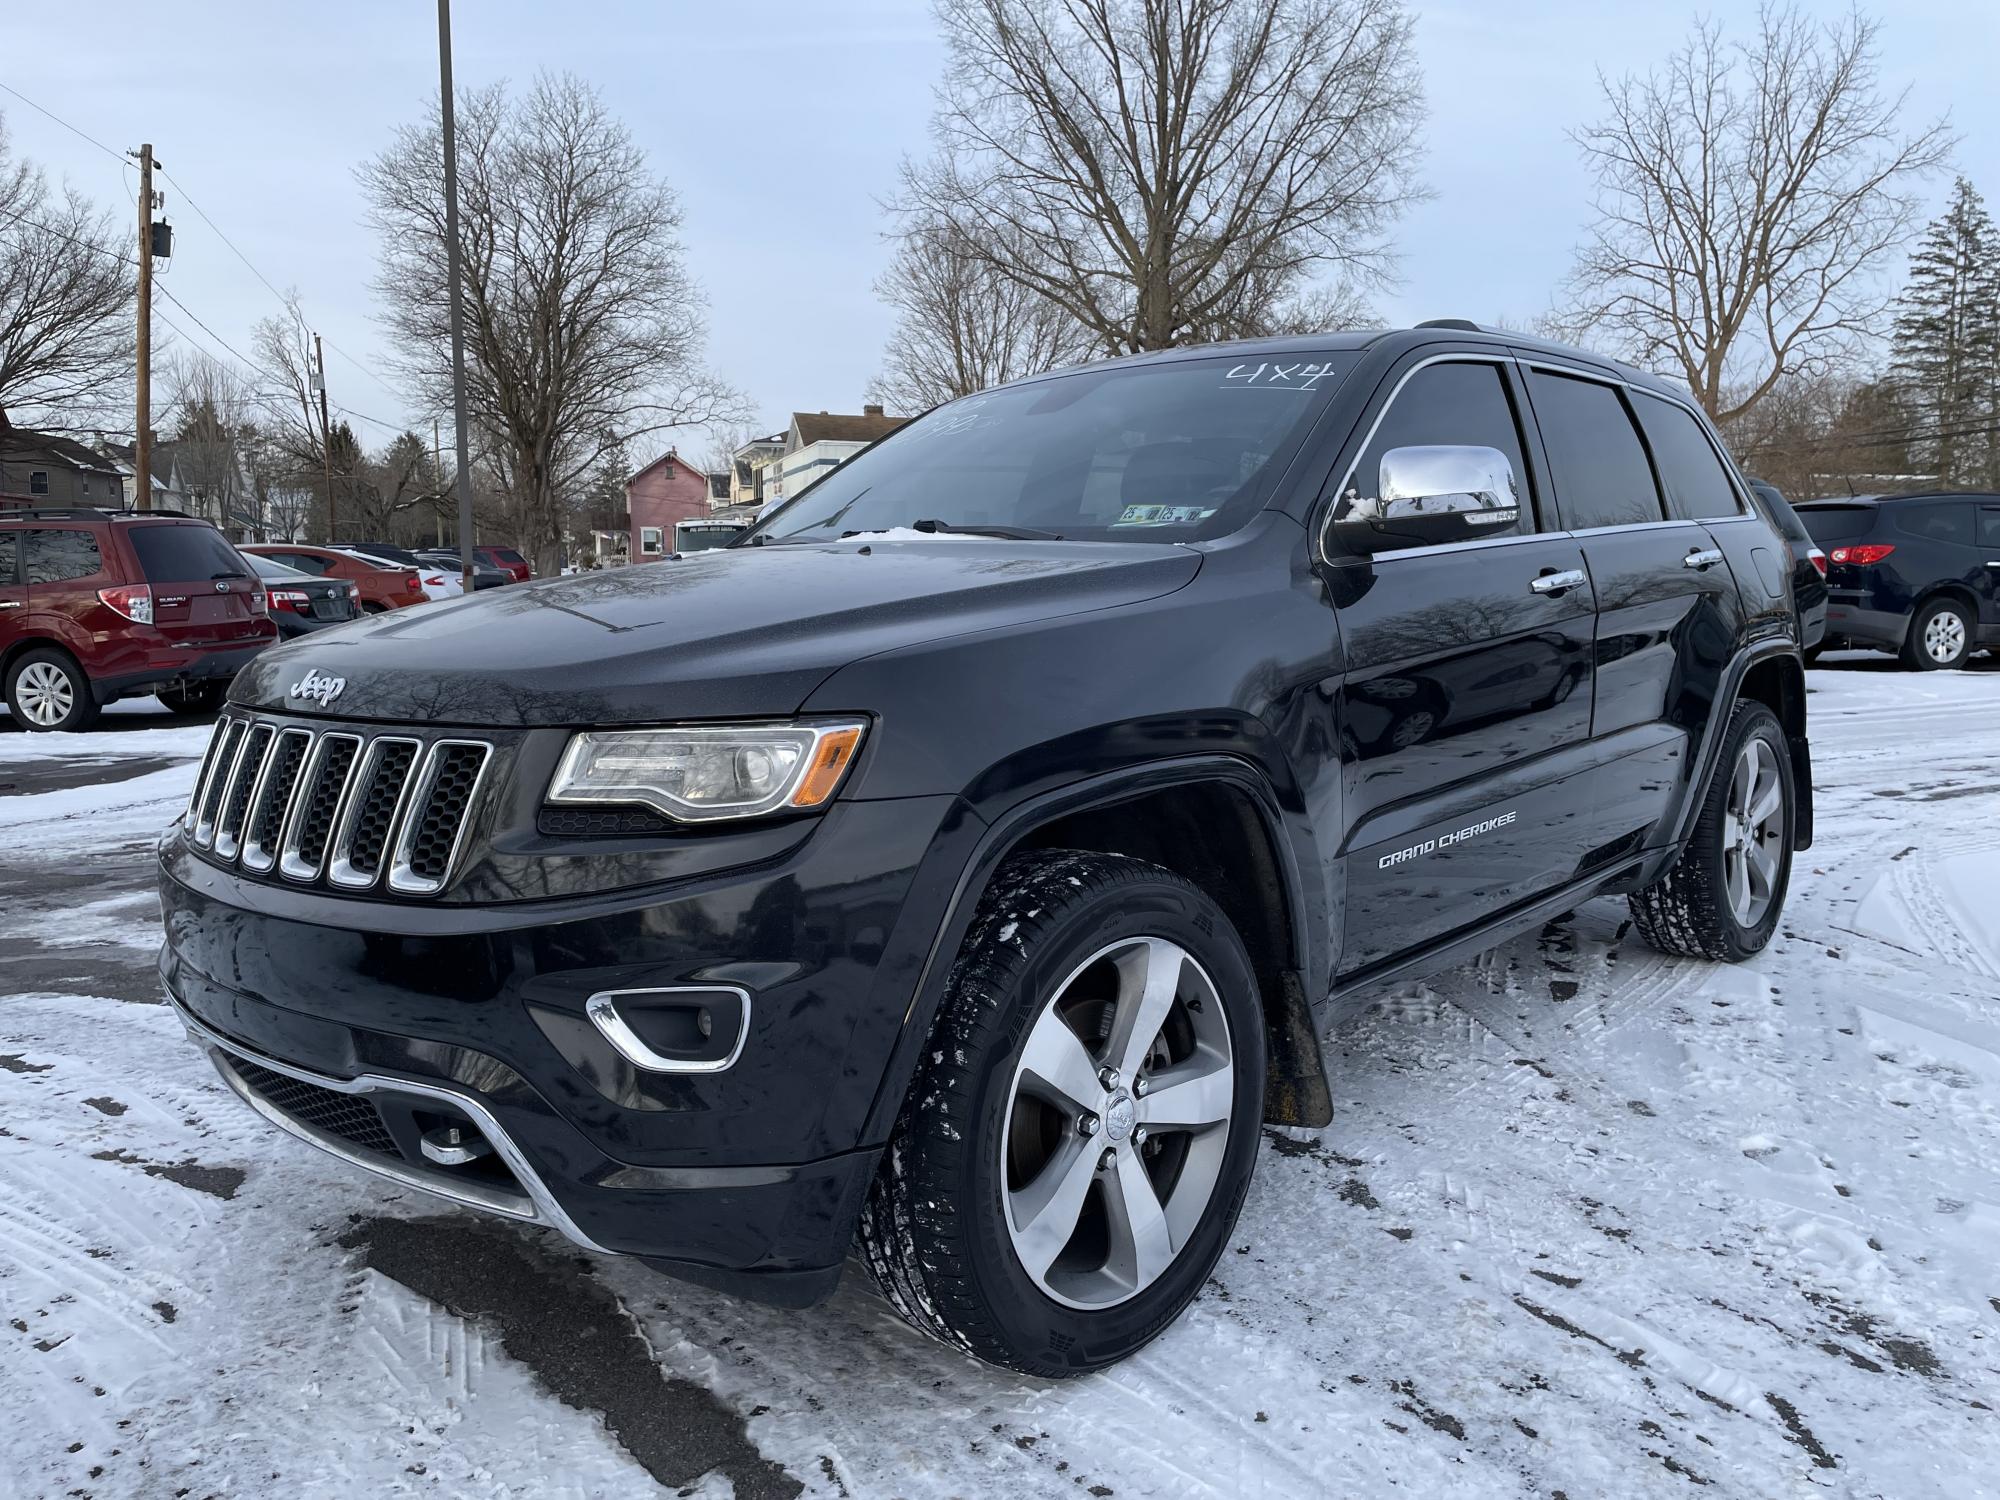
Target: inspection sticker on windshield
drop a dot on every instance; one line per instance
(1163, 515)
(1269, 375)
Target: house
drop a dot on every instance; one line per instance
(168, 492)
(747, 466)
(667, 491)
(819, 441)
(45, 468)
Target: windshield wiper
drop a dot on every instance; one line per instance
(1006, 533)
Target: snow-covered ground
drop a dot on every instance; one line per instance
(1589, 1221)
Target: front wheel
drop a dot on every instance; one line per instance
(1722, 897)
(1076, 1145)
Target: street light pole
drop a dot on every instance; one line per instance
(461, 479)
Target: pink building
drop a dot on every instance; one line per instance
(667, 490)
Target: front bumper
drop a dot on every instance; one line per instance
(750, 1177)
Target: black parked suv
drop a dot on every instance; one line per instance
(967, 861)
(1918, 575)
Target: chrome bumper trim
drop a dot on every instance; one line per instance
(540, 1207)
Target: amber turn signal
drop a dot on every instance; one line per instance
(829, 763)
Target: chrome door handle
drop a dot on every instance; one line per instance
(16, 603)
(1707, 558)
(1556, 583)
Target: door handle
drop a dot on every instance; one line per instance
(16, 603)
(1706, 558)
(1557, 583)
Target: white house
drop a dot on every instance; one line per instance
(818, 441)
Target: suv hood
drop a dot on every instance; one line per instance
(736, 633)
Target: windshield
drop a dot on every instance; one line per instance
(1151, 452)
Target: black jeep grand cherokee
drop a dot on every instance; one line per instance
(970, 857)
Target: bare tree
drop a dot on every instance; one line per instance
(1747, 195)
(962, 326)
(209, 405)
(1169, 170)
(318, 459)
(66, 290)
(582, 326)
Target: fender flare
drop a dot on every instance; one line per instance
(1729, 691)
(1296, 1089)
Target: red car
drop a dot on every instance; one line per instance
(97, 605)
(508, 558)
(381, 588)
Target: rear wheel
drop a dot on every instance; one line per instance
(47, 690)
(1940, 636)
(193, 699)
(1077, 1143)
(1722, 897)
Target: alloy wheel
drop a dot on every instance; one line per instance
(45, 693)
(1944, 637)
(1753, 832)
(1117, 1122)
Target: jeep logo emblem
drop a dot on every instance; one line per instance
(318, 688)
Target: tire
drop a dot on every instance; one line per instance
(1812, 655)
(1940, 638)
(938, 1232)
(193, 699)
(48, 692)
(1693, 909)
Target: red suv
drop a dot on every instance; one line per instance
(97, 605)
(508, 558)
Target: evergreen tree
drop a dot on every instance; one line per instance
(1946, 356)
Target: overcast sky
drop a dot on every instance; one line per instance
(781, 125)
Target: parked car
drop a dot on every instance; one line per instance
(1808, 564)
(383, 586)
(508, 558)
(301, 603)
(1917, 575)
(97, 605)
(967, 861)
(484, 574)
(435, 582)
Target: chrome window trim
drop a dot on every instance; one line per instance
(542, 1206)
(339, 872)
(290, 865)
(1468, 357)
(225, 838)
(252, 855)
(602, 1008)
(402, 879)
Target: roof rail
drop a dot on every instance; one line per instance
(1463, 325)
(73, 512)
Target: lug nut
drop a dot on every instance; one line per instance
(1087, 1124)
(1107, 1160)
(1109, 1079)
(1141, 1086)
(1139, 1136)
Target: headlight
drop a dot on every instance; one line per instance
(706, 772)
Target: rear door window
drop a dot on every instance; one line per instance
(184, 554)
(1830, 525)
(1698, 486)
(1602, 475)
(305, 562)
(57, 555)
(10, 557)
(1937, 523)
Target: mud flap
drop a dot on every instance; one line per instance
(1295, 1087)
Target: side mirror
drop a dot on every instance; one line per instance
(1428, 496)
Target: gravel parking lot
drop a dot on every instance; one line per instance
(1588, 1221)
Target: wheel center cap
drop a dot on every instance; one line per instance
(1119, 1116)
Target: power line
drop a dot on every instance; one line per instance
(220, 235)
(117, 156)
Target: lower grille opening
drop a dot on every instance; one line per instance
(352, 1117)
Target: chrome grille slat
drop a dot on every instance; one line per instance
(447, 787)
(270, 803)
(244, 778)
(346, 808)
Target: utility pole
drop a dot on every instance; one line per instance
(461, 479)
(142, 435)
(325, 438)
(437, 464)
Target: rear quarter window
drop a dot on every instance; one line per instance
(1697, 485)
(58, 555)
(1937, 523)
(10, 557)
(184, 554)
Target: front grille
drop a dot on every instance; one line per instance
(352, 1117)
(336, 805)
